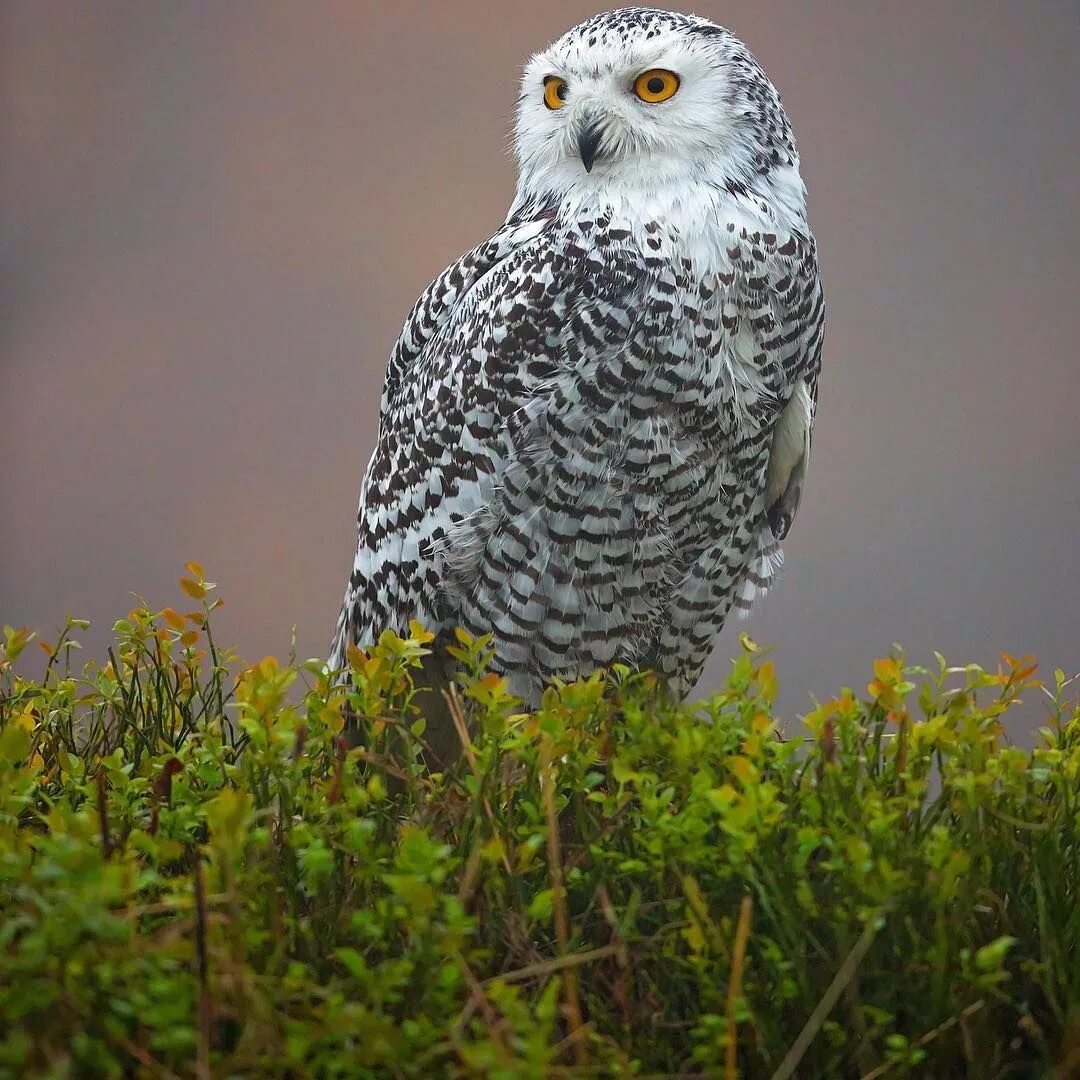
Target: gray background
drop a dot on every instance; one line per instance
(214, 216)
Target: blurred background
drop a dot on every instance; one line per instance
(214, 217)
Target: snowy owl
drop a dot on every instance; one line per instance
(595, 425)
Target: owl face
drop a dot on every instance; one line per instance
(641, 98)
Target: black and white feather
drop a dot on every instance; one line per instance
(595, 425)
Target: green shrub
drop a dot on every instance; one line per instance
(198, 876)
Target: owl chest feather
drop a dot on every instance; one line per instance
(620, 464)
(678, 386)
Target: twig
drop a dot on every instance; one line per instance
(469, 876)
(573, 1039)
(742, 935)
(103, 814)
(1018, 823)
(381, 763)
(620, 983)
(456, 714)
(558, 963)
(930, 1036)
(826, 1004)
(147, 1060)
(202, 1051)
(478, 999)
(607, 909)
(172, 907)
(162, 791)
(333, 795)
(558, 899)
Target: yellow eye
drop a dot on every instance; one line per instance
(656, 85)
(554, 92)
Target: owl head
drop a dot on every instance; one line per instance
(636, 99)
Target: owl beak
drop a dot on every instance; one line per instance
(588, 142)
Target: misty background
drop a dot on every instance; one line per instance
(215, 216)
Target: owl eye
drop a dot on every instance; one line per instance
(656, 85)
(554, 92)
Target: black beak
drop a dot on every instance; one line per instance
(588, 142)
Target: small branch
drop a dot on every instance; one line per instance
(458, 716)
(172, 907)
(147, 1060)
(826, 1004)
(742, 936)
(930, 1036)
(381, 763)
(558, 963)
(479, 1000)
(558, 899)
(202, 1052)
(103, 814)
(607, 909)
(333, 796)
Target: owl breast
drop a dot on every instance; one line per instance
(635, 464)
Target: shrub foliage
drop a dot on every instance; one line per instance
(200, 875)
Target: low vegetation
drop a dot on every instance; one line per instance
(200, 875)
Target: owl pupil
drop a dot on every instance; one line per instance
(560, 91)
(655, 85)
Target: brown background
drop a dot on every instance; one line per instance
(213, 217)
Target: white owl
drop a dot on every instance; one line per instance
(595, 425)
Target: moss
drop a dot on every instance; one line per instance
(199, 876)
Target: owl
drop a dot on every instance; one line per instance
(595, 425)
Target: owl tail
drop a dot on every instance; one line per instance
(761, 571)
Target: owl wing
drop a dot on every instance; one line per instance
(444, 297)
(388, 585)
(463, 464)
(786, 311)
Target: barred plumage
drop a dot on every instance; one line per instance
(595, 425)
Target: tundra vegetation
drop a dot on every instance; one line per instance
(200, 875)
